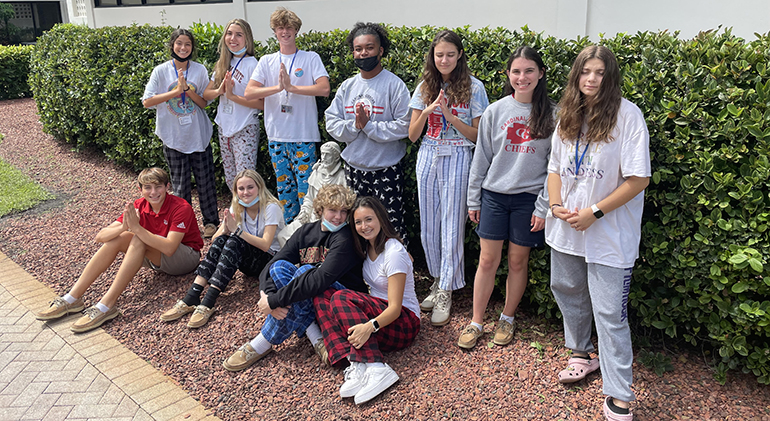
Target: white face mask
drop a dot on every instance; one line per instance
(248, 205)
(331, 227)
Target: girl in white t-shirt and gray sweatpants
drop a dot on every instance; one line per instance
(596, 180)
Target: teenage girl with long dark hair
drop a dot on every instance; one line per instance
(449, 101)
(599, 168)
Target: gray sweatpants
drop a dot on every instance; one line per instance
(587, 291)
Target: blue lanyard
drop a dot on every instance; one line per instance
(580, 161)
(239, 62)
(291, 66)
(186, 70)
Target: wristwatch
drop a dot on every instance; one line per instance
(375, 324)
(238, 231)
(597, 212)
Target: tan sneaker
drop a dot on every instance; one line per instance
(429, 301)
(200, 316)
(440, 315)
(93, 318)
(243, 358)
(176, 312)
(323, 354)
(60, 308)
(468, 338)
(503, 333)
(209, 230)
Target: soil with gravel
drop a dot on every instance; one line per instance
(438, 380)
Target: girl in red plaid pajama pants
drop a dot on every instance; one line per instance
(358, 327)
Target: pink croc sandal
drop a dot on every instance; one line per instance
(577, 369)
(612, 416)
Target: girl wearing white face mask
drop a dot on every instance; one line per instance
(236, 116)
(246, 240)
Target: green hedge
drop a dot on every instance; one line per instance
(14, 68)
(702, 275)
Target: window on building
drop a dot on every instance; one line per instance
(126, 3)
(30, 20)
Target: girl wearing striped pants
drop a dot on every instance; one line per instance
(449, 101)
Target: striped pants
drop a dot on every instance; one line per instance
(442, 188)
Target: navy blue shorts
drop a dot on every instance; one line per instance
(508, 217)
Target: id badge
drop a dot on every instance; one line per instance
(444, 150)
(286, 109)
(185, 120)
(227, 107)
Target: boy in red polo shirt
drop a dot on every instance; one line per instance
(158, 231)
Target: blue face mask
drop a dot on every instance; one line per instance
(248, 205)
(239, 52)
(331, 227)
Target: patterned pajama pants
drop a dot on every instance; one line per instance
(339, 310)
(239, 151)
(442, 188)
(301, 312)
(228, 254)
(292, 163)
(202, 166)
(386, 185)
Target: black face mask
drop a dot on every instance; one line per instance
(367, 64)
(180, 59)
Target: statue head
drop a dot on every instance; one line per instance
(330, 157)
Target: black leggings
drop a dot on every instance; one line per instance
(227, 254)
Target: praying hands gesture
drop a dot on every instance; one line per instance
(284, 80)
(362, 116)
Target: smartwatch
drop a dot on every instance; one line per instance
(375, 324)
(597, 212)
(238, 231)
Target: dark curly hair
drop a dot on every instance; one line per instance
(370, 28)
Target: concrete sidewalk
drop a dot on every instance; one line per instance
(49, 373)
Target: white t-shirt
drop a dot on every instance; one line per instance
(394, 259)
(273, 216)
(241, 115)
(182, 127)
(301, 124)
(614, 239)
(435, 134)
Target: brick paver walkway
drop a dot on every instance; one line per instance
(49, 373)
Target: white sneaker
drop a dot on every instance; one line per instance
(440, 315)
(429, 301)
(376, 381)
(354, 379)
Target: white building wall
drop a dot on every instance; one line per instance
(560, 18)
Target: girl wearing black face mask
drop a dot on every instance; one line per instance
(369, 113)
(175, 92)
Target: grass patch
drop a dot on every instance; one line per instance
(17, 191)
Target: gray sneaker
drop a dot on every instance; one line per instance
(440, 315)
(429, 301)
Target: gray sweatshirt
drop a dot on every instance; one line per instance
(378, 145)
(506, 160)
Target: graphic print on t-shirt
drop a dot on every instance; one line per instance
(436, 123)
(175, 104)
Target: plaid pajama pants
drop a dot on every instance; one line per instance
(339, 310)
(386, 185)
(228, 254)
(292, 163)
(301, 312)
(202, 166)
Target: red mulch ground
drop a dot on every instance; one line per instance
(438, 380)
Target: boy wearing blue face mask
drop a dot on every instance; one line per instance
(246, 241)
(370, 113)
(318, 256)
